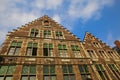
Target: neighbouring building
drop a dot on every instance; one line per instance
(45, 50)
(117, 47)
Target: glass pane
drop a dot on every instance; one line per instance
(97, 67)
(53, 78)
(32, 69)
(50, 46)
(25, 70)
(17, 51)
(29, 44)
(11, 51)
(81, 69)
(46, 77)
(8, 78)
(52, 69)
(70, 69)
(59, 46)
(86, 69)
(35, 44)
(32, 77)
(19, 44)
(83, 77)
(32, 30)
(101, 68)
(45, 69)
(29, 51)
(1, 77)
(64, 47)
(3, 69)
(114, 68)
(13, 44)
(72, 77)
(64, 69)
(66, 77)
(11, 70)
(24, 78)
(45, 45)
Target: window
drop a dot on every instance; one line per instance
(59, 35)
(48, 49)
(114, 70)
(49, 72)
(101, 72)
(96, 44)
(47, 34)
(6, 72)
(91, 53)
(112, 55)
(85, 74)
(14, 48)
(32, 49)
(68, 72)
(76, 51)
(102, 54)
(34, 33)
(62, 50)
(28, 72)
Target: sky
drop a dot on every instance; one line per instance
(99, 17)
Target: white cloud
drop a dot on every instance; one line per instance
(47, 4)
(87, 9)
(57, 18)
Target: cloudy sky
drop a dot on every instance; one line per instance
(99, 17)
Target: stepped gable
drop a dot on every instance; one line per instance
(24, 30)
(89, 40)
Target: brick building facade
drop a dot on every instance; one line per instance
(45, 50)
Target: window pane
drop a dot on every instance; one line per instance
(45, 69)
(17, 51)
(86, 69)
(46, 77)
(32, 77)
(29, 44)
(8, 78)
(1, 77)
(64, 69)
(24, 78)
(29, 50)
(3, 69)
(25, 70)
(45, 45)
(50, 46)
(11, 70)
(32, 69)
(81, 69)
(70, 69)
(83, 77)
(52, 69)
(35, 45)
(101, 68)
(53, 77)
(11, 51)
(19, 44)
(97, 67)
(72, 77)
(66, 77)
(13, 44)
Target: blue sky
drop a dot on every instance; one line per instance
(99, 17)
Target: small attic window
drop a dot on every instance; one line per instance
(46, 23)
